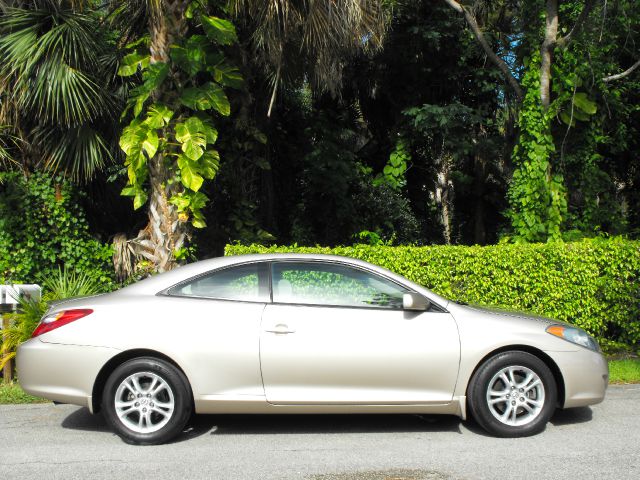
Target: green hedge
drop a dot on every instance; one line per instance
(594, 284)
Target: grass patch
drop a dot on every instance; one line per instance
(624, 371)
(11, 393)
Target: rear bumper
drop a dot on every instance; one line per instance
(586, 376)
(62, 373)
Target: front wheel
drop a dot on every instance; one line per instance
(147, 401)
(513, 394)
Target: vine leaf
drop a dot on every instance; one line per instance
(220, 31)
(585, 104)
(130, 63)
(190, 135)
(209, 96)
(189, 173)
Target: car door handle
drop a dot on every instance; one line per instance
(280, 328)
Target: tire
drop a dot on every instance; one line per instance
(513, 394)
(147, 401)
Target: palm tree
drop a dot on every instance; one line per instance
(58, 87)
(312, 36)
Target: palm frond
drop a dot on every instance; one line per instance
(324, 33)
(58, 86)
(79, 151)
(49, 58)
(8, 143)
(70, 283)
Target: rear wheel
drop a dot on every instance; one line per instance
(513, 394)
(147, 401)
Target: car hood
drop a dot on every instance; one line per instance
(506, 313)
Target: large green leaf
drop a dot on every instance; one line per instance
(209, 96)
(219, 30)
(209, 164)
(210, 132)
(130, 63)
(582, 101)
(138, 194)
(150, 143)
(227, 75)
(158, 116)
(139, 199)
(154, 75)
(190, 135)
(132, 137)
(190, 59)
(189, 174)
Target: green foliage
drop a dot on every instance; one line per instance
(594, 284)
(173, 111)
(537, 197)
(393, 173)
(57, 87)
(42, 227)
(65, 283)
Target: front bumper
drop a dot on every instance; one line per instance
(585, 374)
(62, 373)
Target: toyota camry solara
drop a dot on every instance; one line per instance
(303, 334)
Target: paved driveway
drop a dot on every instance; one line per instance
(601, 442)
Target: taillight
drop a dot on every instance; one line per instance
(51, 322)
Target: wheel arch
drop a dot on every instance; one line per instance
(108, 368)
(549, 362)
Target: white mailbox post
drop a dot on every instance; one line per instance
(10, 296)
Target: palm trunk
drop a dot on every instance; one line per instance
(165, 232)
(546, 52)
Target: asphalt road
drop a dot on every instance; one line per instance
(601, 442)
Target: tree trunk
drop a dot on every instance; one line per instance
(479, 188)
(546, 52)
(166, 231)
(444, 195)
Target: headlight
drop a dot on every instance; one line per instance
(574, 335)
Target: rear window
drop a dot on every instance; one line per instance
(246, 283)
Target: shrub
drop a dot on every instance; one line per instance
(594, 284)
(43, 227)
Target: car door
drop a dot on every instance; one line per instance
(223, 310)
(337, 334)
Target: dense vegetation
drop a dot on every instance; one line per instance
(158, 132)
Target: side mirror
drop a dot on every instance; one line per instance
(413, 301)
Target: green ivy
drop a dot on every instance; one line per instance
(594, 284)
(394, 172)
(179, 126)
(43, 227)
(537, 197)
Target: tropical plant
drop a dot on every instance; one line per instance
(313, 38)
(58, 87)
(169, 141)
(66, 283)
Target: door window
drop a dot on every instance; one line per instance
(333, 284)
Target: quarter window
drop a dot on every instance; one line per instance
(244, 283)
(333, 284)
